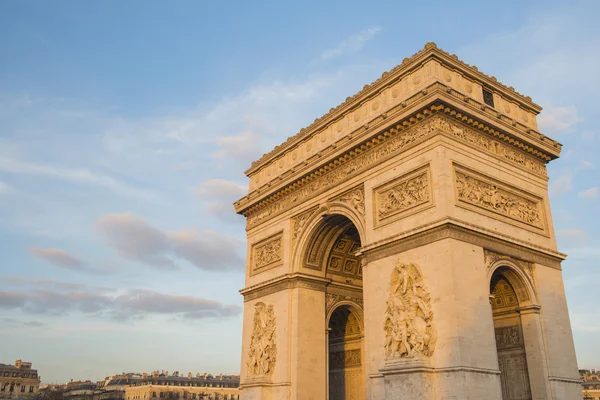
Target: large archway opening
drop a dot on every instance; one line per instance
(508, 328)
(333, 249)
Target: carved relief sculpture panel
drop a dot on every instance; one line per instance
(263, 344)
(406, 194)
(355, 198)
(267, 253)
(478, 192)
(409, 328)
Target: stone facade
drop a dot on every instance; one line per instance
(402, 247)
(18, 381)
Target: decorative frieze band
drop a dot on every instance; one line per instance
(484, 193)
(407, 193)
(394, 141)
(267, 253)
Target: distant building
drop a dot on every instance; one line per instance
(80, 390)
(161, 385)
(590, 384)
(18, 381)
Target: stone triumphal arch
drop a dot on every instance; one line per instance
(402, 247)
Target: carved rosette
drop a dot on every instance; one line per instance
(267, 253)
(409, 329)
(499, 199)
(263, 345)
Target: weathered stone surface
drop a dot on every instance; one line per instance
(403, 244)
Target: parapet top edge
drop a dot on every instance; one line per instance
(430, 50)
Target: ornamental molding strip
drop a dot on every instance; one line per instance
(492, 258)
(477, 192)
(263, 344)
(409, 328)
(332, 299)
(267, 254)
(299, 225)
(396, 87)
(408, 193)
(397, 139)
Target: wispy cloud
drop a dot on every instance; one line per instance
(584, 164)
(76, 175)
(133, 304)
(561, 185)
(219, 195)
(351, 44)
(591, 193)
(58, 257)
(5, 189)
(556, 120)
(134, 238)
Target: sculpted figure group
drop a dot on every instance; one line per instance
(263, 348)
(267, 253)
(405, 195)
(409, 330)
(490, 196)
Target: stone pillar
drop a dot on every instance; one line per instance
(537, 364)
(308, 343)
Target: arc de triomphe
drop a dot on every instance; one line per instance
(402, 247)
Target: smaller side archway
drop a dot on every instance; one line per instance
(345, 360)
(517, 332)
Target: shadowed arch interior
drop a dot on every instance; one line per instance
(333, 246)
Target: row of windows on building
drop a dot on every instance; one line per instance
(172, 395)
(11, 388)
(16, 374)
(190, 384)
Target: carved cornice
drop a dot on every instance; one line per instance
(387, 79)
(288, 281)
(437, 118)
(448, 228)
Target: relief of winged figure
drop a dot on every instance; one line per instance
(409, 330)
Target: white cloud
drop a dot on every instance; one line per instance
(220, 188)
(556, 120)
(584, 164)
(134, 238)
(351, 44)
(58, 257)
(219, 195)
(591, 193)
(561, 185)
(133, 304)
(245, 146)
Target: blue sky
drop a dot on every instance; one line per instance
(125, 128)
